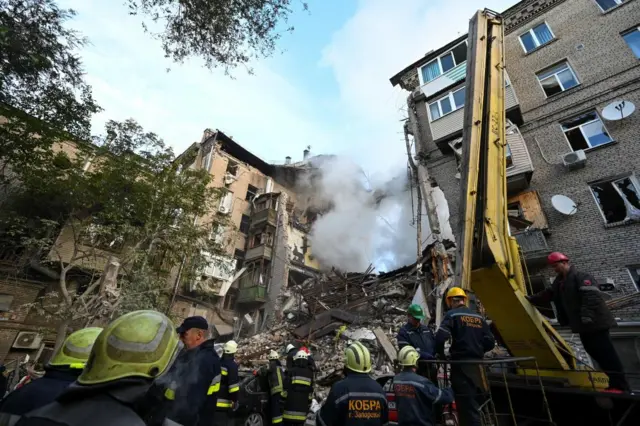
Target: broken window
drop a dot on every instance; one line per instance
(252, 191)
(618, 199)
(586, 131)
(634, 272)
(509, 156)
(230, 298)
(245, 222)
(262, 205)
(238, 255)
(557, 79)
(232, 168)
(516, 218)
(256, 240)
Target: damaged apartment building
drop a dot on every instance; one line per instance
(572, 88)
(259, 223)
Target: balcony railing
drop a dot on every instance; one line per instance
(260, 217)
(259, 251)
(445, 80)
(252, 294)
(533, 245)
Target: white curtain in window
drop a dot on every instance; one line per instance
(430, 71)
(543, 33)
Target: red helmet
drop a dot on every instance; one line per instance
(556, 257)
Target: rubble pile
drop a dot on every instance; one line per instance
(329, 312)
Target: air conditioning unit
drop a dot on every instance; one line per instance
(229, 178)
(575, 160)
(28, 340)
(224, 209)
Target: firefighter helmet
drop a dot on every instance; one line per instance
(138, 344)
(273, 355)
(76, 348)
(408, 356)
(556, 257)
(358, 358)
(300, 355)
(231, 347)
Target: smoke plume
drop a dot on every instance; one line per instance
(362, 220)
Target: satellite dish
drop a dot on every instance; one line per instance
(618, 110)
(564, 204)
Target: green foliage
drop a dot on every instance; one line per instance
(224, 33)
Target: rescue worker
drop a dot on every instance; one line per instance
(420, 337)
(291, 351)
(579, 304)
(470, 339)
(227, 398)
(312, 362)
(415, 395)
(194, 381)
(298, 390)
(276, 387)
(126, 357)
(356, 400)
(63, 369)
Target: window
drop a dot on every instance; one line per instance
(206, 161)
(536, 37)
(557, 79)
(232, 168)
(443, 106)
(230, 299)
(238, 255)
(256, 240)
(509, 156)
(444, 63)
(618, 199)
(634, 272)
(244, 224)
(609, 4)
(633, 40)
(586, 131)
(252, 191)
(5, 302)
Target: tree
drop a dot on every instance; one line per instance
(121, 209)
(224, 33)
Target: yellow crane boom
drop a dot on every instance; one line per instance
(490, 261)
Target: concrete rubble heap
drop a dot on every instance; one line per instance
(330, 311)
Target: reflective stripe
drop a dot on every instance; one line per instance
(360, 395)
(77, 365)
(295, 415)
(276, 420)
(284, 394)
(465, 314)
(215, 385)
(589, 288)
(301, 381)
(402, 342)
(149, 347)
(224, 371)
(234, 388)
(170, 394)
(224, 403)
(408, 382)
(443, 328)
(276, 389)
(438, 397)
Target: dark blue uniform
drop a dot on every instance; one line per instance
(298, 393)
(420, 337)
(357, 400)
(192, 385)
(415, 397)
(36, 393)
(228, 394)
(470, 339)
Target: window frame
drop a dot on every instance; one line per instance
(248, 224)
(618, 4)
(564, 132)
(633, 280)
(507, 149)
(437, 59)
(535, 37)
(255, 192)
(634, 181)
(451, 100)
(629, 31)
(569, 67)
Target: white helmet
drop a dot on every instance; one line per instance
(231, 347)
(273, 355)
(289, 347)
(301, 355)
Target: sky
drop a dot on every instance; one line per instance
(327, 86)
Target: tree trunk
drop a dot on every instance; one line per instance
(61, 334)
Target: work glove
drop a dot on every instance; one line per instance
(235, 406)
(586, 320)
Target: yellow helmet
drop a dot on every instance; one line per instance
(76, 348)
(456, 292)
(138, 344)
(231, 347)
(408, 356)
(357, 358)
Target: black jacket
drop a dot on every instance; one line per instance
(579, 303)
(357, 400)
(230, 383)
(415, 398)
(298, 392)
(195, 380)
(421, 338)
(36, 393)
(80, 405)
(469, 332)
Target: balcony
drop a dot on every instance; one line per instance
(257, 252)
(534, 248)
(254, 294)
(265, 215)
(445, 80)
